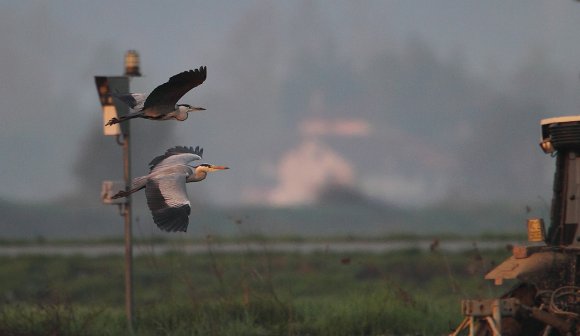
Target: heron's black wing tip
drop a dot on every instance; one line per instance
(172, 219)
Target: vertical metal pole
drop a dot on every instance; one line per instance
(106, 85)
(128, 230)
(131, 70)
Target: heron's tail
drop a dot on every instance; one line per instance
(137, 184)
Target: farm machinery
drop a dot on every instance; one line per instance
(546, 299)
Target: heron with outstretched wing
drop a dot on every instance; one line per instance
(165, 186)
(161, 103)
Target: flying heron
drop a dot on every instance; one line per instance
(161, 103)
(165, 186)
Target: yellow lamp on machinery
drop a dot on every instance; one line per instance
(536, 230)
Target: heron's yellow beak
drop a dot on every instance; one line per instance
(220, 167)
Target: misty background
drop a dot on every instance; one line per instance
(414, 111)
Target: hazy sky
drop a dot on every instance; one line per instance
(452, 90)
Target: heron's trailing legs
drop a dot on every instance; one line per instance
(114, 121)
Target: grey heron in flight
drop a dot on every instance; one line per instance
(161, 103)
(165, 186)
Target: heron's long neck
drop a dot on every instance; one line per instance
(180, 112)
(198, 175)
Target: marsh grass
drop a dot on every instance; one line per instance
(397, 293)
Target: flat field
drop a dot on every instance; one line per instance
(410, 292)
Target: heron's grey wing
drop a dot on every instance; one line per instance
(175, 151)
(134, 100)
(174, 160)
(167, 199)
(169, 93)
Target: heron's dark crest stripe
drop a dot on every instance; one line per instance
(174, 151)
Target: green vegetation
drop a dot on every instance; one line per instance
(258, 238)
(398, 293)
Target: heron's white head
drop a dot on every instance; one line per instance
(182, 111)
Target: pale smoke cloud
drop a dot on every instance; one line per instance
(346, 127)
(304, 171)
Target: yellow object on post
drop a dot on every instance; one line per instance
(112, 108)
